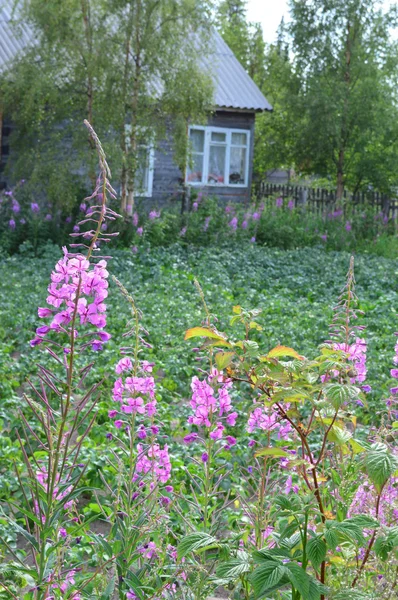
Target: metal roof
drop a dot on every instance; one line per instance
(14, 37)
(234, 88)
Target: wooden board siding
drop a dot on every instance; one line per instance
(4, 150)
(167, 176)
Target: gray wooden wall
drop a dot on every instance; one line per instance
(167, 176)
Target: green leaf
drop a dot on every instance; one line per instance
(290, 395)
(350, 594)
(134, 583)
(357, 447)
(272, 452)
(339, 435)
(108, 592)
(379, 463)
(299, 578)
(279, 351)
(223, 359)
(331, 538)
(338, 393)
(316, 551)
(207, 333)
(268, 576)
(194, 542)
(364, 521)
(29, 537)
(233, 569)
(348, 530)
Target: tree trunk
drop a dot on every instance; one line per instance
(340, 175)
(344, 125)
(123, 136)
(132, 153)
(85, 6)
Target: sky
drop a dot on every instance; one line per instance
(270, 12)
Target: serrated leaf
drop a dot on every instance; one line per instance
(331, 538)
(350, 594)
(272, 452)
(356, 446)
(364, 521)
(194, 542)
(339, 393)
(339, 435)
(223, 359)
(268, 576)
(316, 551)
(279, 351)
(379, 464)
(299, 578)
(205, 332)
(290, 395)
(233, 569)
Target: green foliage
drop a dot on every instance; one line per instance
(379, 464)
(148, 75)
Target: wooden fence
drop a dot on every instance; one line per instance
(324, 201)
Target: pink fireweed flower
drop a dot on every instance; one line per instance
(140, 231)
(136, 394)
(348, 226)
(211, 401)
(357, 355)
(155, 460)
(233, 223)
(154, 214)
(149, 550)
(135, 219)
(279, 202)
(364, 502)
(77, 288)
(124, 364)
(268, 419)
(134, 405)
(195, 206)
(35, 208)
(290, 204)
(244, 224)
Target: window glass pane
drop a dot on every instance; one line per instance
(142, 172)
(216, 164)
(240, 139)
(195, 170)
(218, 137)
(237, 165)
(197, 137)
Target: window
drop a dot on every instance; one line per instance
(218, 156)
(144, 172)
(143, 181)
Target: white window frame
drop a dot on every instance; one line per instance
(208, 130)
(145, 192)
